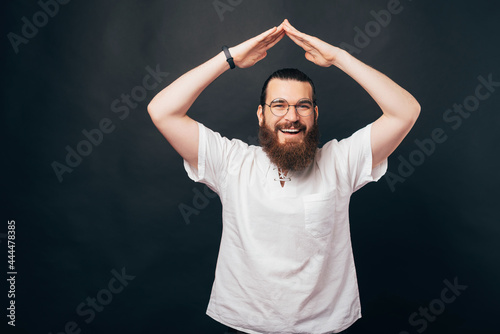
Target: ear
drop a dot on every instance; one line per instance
(260, 116)
(316, 112)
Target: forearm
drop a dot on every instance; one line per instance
(394, 101)
(177, 98)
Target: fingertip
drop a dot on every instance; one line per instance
(269, 32)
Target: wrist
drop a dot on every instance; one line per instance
(221, 60)
(234, 54)
(341, 58)
(229, 57)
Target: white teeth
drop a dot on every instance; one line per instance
(290, 130)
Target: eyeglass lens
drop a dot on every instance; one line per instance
(279, 107)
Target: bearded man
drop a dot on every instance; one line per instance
(292, 152)
(285, 262)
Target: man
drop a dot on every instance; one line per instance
(285, 263)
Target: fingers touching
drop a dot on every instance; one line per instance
(275, 40)
(272, 36)
(256, 48)
(298, 37)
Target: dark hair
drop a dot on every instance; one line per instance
(287, 74)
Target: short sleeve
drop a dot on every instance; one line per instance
(213, 152)
(352, 158)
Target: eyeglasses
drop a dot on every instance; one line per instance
(279, 107)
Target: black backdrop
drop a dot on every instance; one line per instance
(433, 223)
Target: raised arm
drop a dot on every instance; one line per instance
(400, 109)
(169, 107)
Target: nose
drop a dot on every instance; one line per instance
(292, 114)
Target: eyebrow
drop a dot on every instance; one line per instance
(278, 99)
(281, 99)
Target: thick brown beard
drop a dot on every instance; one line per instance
(292, 156)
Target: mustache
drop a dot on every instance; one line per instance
(289, 125)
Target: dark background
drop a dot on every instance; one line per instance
(119, 208)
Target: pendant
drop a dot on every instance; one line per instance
(283, 177)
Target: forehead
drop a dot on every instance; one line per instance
(290, 90)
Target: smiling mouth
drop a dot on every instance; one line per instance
(291, 131)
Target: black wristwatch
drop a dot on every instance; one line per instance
(228, 56)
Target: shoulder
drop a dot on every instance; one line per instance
(359, 138)
(328, 149)
(208, 135)
(232, 149)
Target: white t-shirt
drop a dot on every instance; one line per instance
(285, 262)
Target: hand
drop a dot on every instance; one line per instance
(317, 51)
(251, 51)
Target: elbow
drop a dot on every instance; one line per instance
(151, 108)
(415, 108)
(412, 110)
(409, 117)
(153, 112)
(160, 116)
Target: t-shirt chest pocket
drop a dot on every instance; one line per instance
(319, 211)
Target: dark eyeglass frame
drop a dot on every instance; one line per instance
(313, 105)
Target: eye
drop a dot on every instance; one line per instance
(278, 105)
(304, 104)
